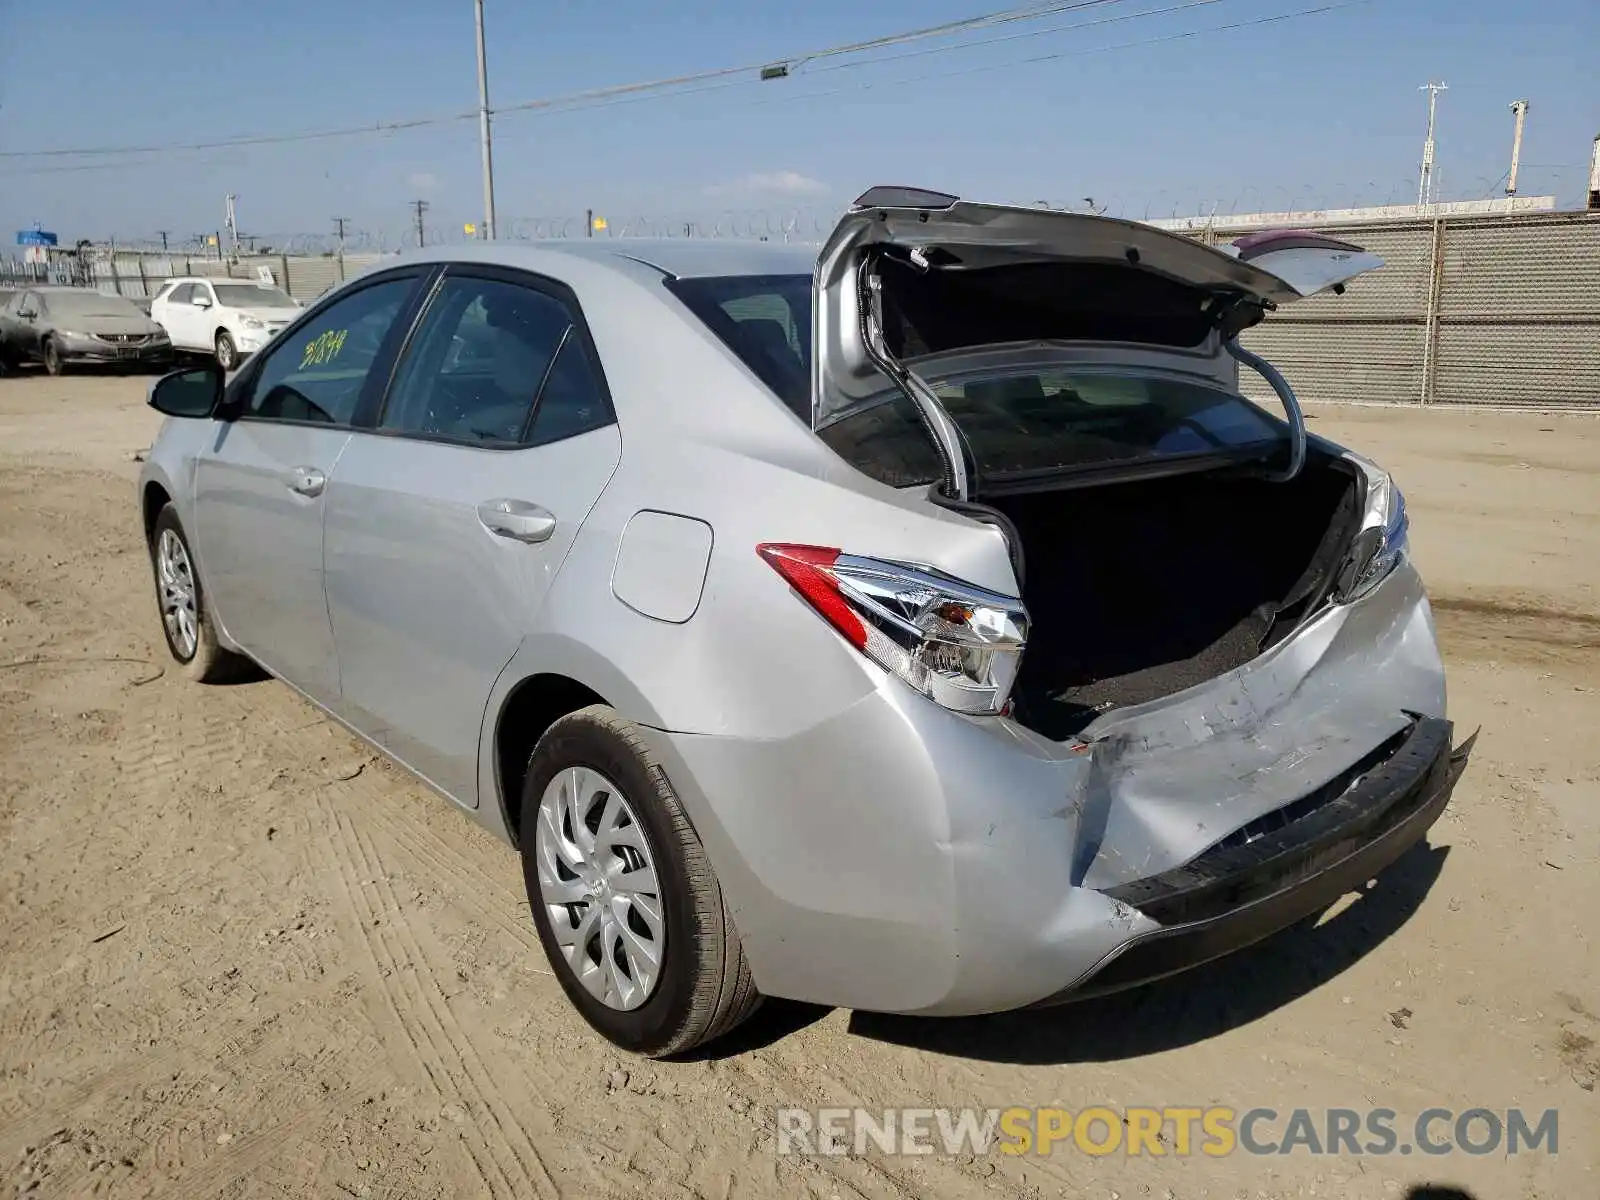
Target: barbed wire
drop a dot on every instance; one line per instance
(811, 223)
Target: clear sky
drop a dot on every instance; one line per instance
(1317, 110)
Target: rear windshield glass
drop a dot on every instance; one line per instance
(1054, 419)
(766, 321)
(1046, 418)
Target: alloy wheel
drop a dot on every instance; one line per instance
(179, 611)
(598, 883)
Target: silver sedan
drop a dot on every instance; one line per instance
(928, 627)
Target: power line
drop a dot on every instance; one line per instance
(1009, 64)
(612, 98)
(1029, 12)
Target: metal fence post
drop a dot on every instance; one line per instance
(1430, 321)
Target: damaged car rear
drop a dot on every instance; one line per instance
(1181, 691)
(927, 627)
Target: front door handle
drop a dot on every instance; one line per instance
(517, 519)
(307, 481)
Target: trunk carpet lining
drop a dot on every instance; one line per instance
(1141, 590)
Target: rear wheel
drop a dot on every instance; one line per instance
(185, 620)
(628, 909)
(227, 352)
(52, 358)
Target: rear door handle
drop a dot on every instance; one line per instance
(307, 481)
(517, 519)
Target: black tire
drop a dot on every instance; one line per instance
(227, 352)
(705, 988)
(208, 662)
(52, 358)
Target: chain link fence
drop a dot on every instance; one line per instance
(1467, 310)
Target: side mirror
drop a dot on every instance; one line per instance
(201, 301)
(194, 393)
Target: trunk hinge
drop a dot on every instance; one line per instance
(1291, 406)
(944, 433)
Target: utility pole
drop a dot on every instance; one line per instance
(1425, 184)
(1592, 202)
(483, 128)
(162, 234)
(338, 227)
(421, 207)
(233, 225)
(1520, 108)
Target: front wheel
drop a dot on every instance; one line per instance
(227, 352)
(628, 909)
(185, 619)
(52, 358)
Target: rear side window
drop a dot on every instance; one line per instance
(766, 321)
(495, 363)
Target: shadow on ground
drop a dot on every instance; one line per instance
(1187, 1008)
(1438, 1191)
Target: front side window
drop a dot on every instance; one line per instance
(494, 363)
(183, 293)
(317, 375)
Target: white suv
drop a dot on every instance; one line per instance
(230, 318)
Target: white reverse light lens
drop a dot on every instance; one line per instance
(1383, 539)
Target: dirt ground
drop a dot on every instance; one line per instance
(243, 957)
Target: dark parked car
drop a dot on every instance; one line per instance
(64, 326)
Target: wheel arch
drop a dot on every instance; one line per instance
(153, 497)
(550, 676)
(529, 708)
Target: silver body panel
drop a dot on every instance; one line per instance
(877, 850)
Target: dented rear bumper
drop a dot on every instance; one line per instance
(897, 857)
(1250, 887)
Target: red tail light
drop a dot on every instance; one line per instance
(958, 644)
(809, 570)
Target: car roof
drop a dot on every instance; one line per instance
(682, 258)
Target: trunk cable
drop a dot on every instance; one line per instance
(1291, 406)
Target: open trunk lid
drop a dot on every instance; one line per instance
(911, 276)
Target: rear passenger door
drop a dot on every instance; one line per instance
(451, 511)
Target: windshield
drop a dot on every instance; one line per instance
(249, 295)
(89, 304)
(1019, 420)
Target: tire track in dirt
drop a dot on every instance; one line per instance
(249, 1155)
(423, 1017)
(489, 1097)
(382, 966)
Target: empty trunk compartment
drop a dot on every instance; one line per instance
(1140, 590)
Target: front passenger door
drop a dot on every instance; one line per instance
(447, 522)
(259, 487)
